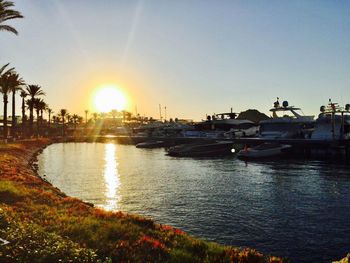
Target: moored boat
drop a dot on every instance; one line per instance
(333, 123)
(291, 124)
(264, 150)
(202, 149)
(150, 144)
(225, 125)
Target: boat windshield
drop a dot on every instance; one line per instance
(286, 113)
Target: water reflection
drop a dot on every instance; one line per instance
(111, 177)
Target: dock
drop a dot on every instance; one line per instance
(306, 147)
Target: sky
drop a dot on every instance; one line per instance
(194, 57)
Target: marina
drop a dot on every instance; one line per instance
(329, 135)
(151, 131)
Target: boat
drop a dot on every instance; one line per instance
(291, 125)
(202, 149)
(333, 123)
(150, 144)
(161, 129)
(264, 150)
(225, 125)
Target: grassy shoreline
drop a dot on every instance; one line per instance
(42, 224)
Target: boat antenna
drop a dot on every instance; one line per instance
(165, 113)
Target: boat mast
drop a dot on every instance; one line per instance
(160, 112)
(164, 113)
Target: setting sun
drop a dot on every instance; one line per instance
(109, 98)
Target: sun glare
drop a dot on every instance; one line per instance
(109, 98)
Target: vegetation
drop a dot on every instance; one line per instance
(7, 13)
(33, 91)
(44, 225)
(5, 88)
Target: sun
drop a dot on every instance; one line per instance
(108, 98)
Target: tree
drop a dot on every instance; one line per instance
(114, 114)
(7, 81)
(55, 120)
(42, 107)
(33, 91)
(86, 113)
(75, 119)
(6, 13)
(23, 96)
(63, 113)
(17, 82)
(49, 111)
(38, 105)
(68, 118)
(95, 117)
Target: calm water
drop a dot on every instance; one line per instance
(296, 209)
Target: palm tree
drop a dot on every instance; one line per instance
(49, 111)
(55, 120)
(33, 91)
(42, 106)
(23, 96)
(95, 117)
(86, 113)
(7, 81)
(6, 13)
(37, 104)
(16, 86)
(30, 103)
(80, 119)
(3, 69)
(63, 113)
(3, 72)
(75, 119)
(114, 114)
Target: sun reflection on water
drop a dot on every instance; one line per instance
(111, 177)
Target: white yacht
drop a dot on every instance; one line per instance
(333, 123)
(228, 126)
(287, 122)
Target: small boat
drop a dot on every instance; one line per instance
(202, 149)
(150, 144)
(263, 151)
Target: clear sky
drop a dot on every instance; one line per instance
(195, 57)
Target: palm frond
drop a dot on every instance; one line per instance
(2, 69)
(6, 13)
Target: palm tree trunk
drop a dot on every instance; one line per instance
(63, 131)
(41, 118)
(5, 117)
(23, 116)
(37, 122)
(31, 117)
(13, 128)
